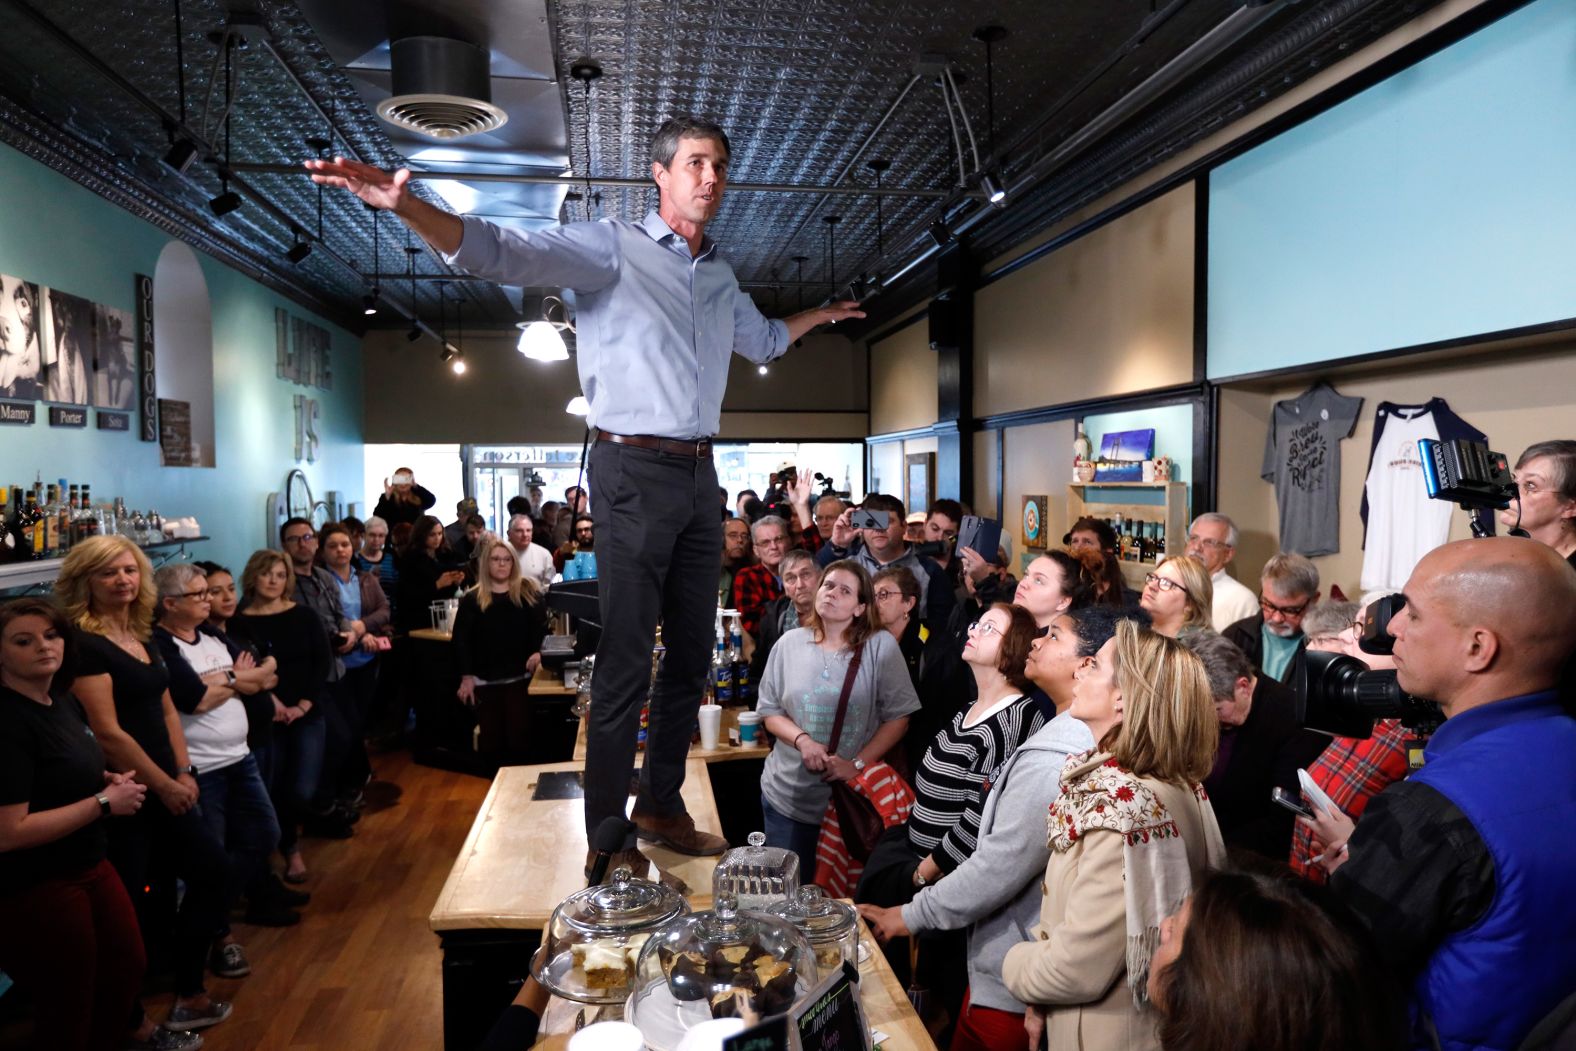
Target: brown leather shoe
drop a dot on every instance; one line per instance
(677, 832)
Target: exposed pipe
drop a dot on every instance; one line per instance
(576, 181)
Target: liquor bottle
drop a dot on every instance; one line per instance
(721, 674)
(743, 689)
(85, 524)
(30, 540)
(1146, 544)
(51, 523)
(8, 513)
(1160, 541)
(68, 510)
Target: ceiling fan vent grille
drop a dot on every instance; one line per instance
(441, 89)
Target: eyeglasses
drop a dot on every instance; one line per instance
(194, 594)
(1163, 583)
(1286, 611)
(886, 593)
(1205, 541)
(983, 628)
(301, 538)
(776, 541)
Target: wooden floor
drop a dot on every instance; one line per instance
(361, 970)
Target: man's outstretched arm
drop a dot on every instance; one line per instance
(390, 192)
(802, 322)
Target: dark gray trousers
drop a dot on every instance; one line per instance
(658, 546)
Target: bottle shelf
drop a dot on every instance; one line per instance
(17, 575)
(1108, 499)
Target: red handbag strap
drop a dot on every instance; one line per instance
(842, 700)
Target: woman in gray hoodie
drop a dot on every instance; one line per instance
(995, 894)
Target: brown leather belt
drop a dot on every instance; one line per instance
(699, 450)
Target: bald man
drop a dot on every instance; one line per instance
(1464, 870)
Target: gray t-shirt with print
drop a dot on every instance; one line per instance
(1302, 456)
(803, 682)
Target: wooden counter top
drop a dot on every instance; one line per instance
(723, 753)
(547, 683)
(431, 635)
(524, 856)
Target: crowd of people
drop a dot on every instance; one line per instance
(1076, 777)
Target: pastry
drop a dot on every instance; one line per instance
(605, 963)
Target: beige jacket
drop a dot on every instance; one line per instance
(1076, 964)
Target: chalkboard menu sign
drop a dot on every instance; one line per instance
(770, 1035)
(830, 1018)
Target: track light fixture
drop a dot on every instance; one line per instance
(181, 155)
(939, 233)
(415, 331)
(298, 251)
(227, 201)
(993, 189)
(369, 302)
(543, 340)
(578, 406)
(445, 353)
(458, 364)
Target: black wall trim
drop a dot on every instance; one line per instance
(1204, 485)
(1566, 326)
(1184, 394)
(1201, 278)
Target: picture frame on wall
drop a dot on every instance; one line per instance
(21, 339)
(1122, 455)
(919, 480)
(1034, 521)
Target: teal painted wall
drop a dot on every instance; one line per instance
(1173, 427)
(1436, 205)
(59, 234)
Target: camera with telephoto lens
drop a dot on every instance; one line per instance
(1340, 695)
(829, 487)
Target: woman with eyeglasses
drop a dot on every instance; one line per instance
(1130, 836)
(1178, 596)
(840, 673)
(897, 599)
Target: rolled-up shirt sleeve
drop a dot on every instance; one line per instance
(579, 256)
(755, 336)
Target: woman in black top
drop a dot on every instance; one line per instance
(106, 587)
(423, 578)
(403, 500)
(68, 933)
(498, 633)
(292, 634)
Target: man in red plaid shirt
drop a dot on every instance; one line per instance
(755, 586)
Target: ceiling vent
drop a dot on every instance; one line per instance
(441, 89)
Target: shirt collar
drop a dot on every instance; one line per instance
(1458, 729)
(659, 231)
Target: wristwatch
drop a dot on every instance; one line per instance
(192, 770)
(103, 802)
(859, 765)
(229, 677)
(919, 879)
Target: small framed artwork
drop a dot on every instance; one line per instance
(919, 480)
(1034, 524)
(1122, 455)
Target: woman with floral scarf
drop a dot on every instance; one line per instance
(1130, 835)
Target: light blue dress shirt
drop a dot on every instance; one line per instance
(654, 327)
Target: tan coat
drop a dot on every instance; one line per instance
(1077, 962)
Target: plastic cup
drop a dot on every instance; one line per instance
(710, 725)
(749, 727)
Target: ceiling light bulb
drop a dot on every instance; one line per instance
(541, 341)
(762, 370)
(940, 234)
(578, 406)
(458, 366)
(994, 193)
(369, 304)
(415, 332)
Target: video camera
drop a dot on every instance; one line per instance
(1341, 695)
(1467, 473)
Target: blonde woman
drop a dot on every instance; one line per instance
(1178, 596)
(278, 627)
(106, 587)
(1130, 836)
(498, 633)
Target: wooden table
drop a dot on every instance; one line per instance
(723, 753)
(524, 856)
(546, 683)
(884, 999)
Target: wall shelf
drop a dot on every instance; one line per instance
(1109, 499)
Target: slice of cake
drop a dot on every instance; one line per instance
(605, 964)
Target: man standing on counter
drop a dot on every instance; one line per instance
(660, 311)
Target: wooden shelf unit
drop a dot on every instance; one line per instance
(1174, 513)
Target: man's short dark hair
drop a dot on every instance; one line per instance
(475, 520)
(945, 506)
(666, 141)
(569, 494)
(884, 502)
(518, 505)
(587, 519)
(297, 521)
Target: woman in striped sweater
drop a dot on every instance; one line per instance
(955, 773)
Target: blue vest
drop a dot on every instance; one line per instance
(1510, 767)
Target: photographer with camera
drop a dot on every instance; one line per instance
(1545, 504)
(872, 535)
(1462, 870)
